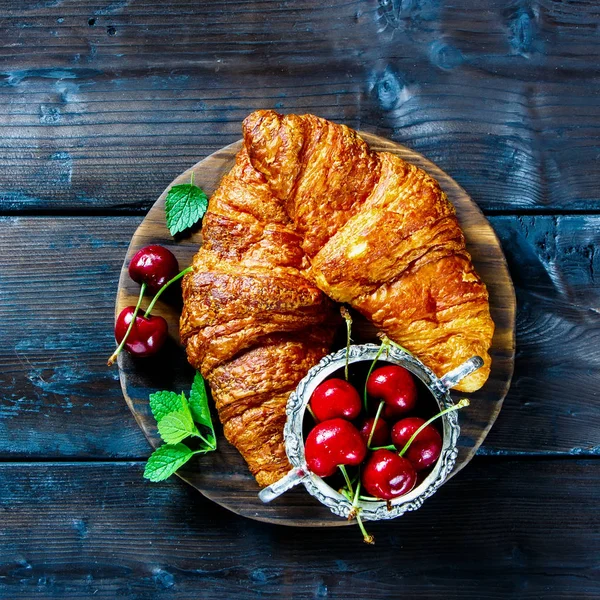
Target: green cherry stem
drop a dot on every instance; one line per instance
(355, 513)
(312, 414)
(116, 353)
(377, 415)
(344, 312)
(461, 404)
(164, 287)
(356, 493)
(342, 468)
(367, 537)
(386, 340)
(379, 352)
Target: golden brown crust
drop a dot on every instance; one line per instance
(251, 393)
(309, 213)
(252, 323)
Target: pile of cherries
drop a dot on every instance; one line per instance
(155, 268)
(391, 458)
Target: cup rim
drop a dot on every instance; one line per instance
(316, 486)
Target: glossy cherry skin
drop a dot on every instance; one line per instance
(154, 266)
(335, 398)
(332, 443)
(382, 431)
(387, 475)
(396, 387)
(147, 335)
(425, 449)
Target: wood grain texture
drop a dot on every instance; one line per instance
(57, 284)
(103, 101)
(100, 101)
(58, 399)
(555, 264)
(224, 476)
(101, 531)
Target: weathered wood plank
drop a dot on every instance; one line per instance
(103, 104)
(555, 266)
(58, 279)
(498, 530)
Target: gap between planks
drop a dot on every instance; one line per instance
(140, 212)
(478, 458)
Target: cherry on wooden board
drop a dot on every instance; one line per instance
(147, 335)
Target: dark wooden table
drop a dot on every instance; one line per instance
(103, 103)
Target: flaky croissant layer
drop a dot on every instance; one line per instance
(309, 214)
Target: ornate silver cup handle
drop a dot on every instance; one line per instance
(451, 378)
(294, 477)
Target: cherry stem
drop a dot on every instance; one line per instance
(344, 312)
(312, 414)
(386, 340)
(342, 468)
(356, 493)
(116, 353)
(164, 287)
(379, 352)
(377, 415)
(461, 404)
(367, 538)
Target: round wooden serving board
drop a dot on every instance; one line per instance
(222, 476)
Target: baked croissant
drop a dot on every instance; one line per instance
(308, 215)
(252, 323)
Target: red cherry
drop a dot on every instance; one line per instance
(335, 398)
(425, 449)
(147, 335)
(382, 431)
(154, 266)
(332, 443)
(387, 475)
(396, 387)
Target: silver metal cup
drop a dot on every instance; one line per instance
(317, 487)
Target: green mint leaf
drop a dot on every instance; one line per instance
(165, 460)
(185, 407)
(199, 402)
(176, 426)
(199, 407)
(185, 206)
(163, 403)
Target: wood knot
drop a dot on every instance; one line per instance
(388, 89)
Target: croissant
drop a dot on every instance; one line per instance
(309, 215)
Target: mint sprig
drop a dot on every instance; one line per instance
(185, 205)
(175, 418)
